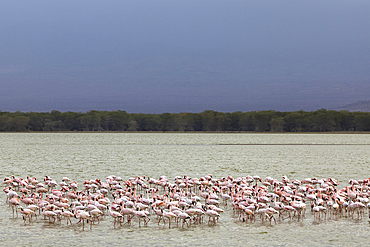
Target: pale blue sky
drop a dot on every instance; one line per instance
(183, 56)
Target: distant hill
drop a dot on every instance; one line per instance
(360, 106)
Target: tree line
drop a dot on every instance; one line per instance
(255, 121)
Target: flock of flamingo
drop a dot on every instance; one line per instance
(184, 200)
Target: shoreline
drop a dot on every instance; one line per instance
(194, 132)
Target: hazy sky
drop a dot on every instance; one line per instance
(183, 56)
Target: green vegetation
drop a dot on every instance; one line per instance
(257, 121)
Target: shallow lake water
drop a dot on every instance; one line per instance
(81, 156)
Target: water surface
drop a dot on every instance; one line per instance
(88, 155)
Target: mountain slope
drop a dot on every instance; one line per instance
(360, 106)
